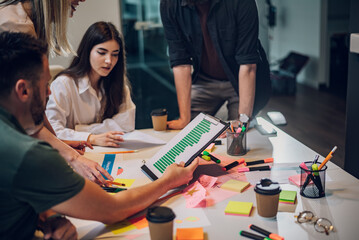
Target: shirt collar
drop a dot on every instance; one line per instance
(10, 120)
(84, 84)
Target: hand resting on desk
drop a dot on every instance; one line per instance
(107, 139)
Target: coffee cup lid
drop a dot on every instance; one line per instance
(160, 214)
(267, 187)
(159, 112)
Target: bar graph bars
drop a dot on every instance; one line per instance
(189, 140)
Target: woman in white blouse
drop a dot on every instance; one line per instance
(91, 99)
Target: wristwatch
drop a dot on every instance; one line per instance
(243, 118)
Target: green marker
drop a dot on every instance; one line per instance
(315, 169)
(213, 158)
(243, 128)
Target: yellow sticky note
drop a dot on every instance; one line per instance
(235, 185)
(121, 227)
(127, 182)
(210, 147)
(189, 234)
(239, 208)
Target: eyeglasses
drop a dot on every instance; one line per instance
(322, 225)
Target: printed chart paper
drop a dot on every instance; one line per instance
(186, 145)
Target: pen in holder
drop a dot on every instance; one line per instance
(312, 181)
(236, 142)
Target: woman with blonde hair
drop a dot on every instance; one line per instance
(43, 19)
(47, 20)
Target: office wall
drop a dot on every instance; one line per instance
(351, 163)
(263, 24)
(299, 28)
(87, 13)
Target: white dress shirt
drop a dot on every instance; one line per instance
(73, 110)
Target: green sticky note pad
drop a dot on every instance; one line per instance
(287, 196)
(239, 208)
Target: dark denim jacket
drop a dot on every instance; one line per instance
(233, 28)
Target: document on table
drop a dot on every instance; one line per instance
(187, 144)
(132, 141)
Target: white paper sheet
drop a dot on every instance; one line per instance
(132, 141)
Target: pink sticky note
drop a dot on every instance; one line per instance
(216, 195)
(296, 179)
(194, 194)
(207, 181)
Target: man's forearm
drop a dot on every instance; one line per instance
(65, 150)
(247, 87)
(183, 81)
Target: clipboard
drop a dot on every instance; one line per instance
(186, 145)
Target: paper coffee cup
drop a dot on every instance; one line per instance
(160, 222)
(159, 119)
(267, 197)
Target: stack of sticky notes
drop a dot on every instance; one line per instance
(189, 234)
(288, 197)
(239, 208)
(235, 185)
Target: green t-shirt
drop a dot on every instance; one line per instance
(33, 178)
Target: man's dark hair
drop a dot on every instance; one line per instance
(21, 57)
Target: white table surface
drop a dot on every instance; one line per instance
(341, 204)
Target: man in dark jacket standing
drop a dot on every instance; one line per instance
(219, 39)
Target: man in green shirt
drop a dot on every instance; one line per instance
(33, 176)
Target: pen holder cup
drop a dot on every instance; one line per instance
(236, 143)
(312, 183)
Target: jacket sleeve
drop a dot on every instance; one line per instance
(178, 53)
(59, 109)
(124, 120)
(247, 33)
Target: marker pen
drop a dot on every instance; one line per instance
(249, 169)
(266, 233)
(267, 160)
(113, 189)
(213, 158)
(205, 157)
(233, 164)
(252, 236)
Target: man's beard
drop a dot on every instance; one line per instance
(37, 108)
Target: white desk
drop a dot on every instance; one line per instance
(341, 204)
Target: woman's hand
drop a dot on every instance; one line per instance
(79, 146)
(108, 139)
